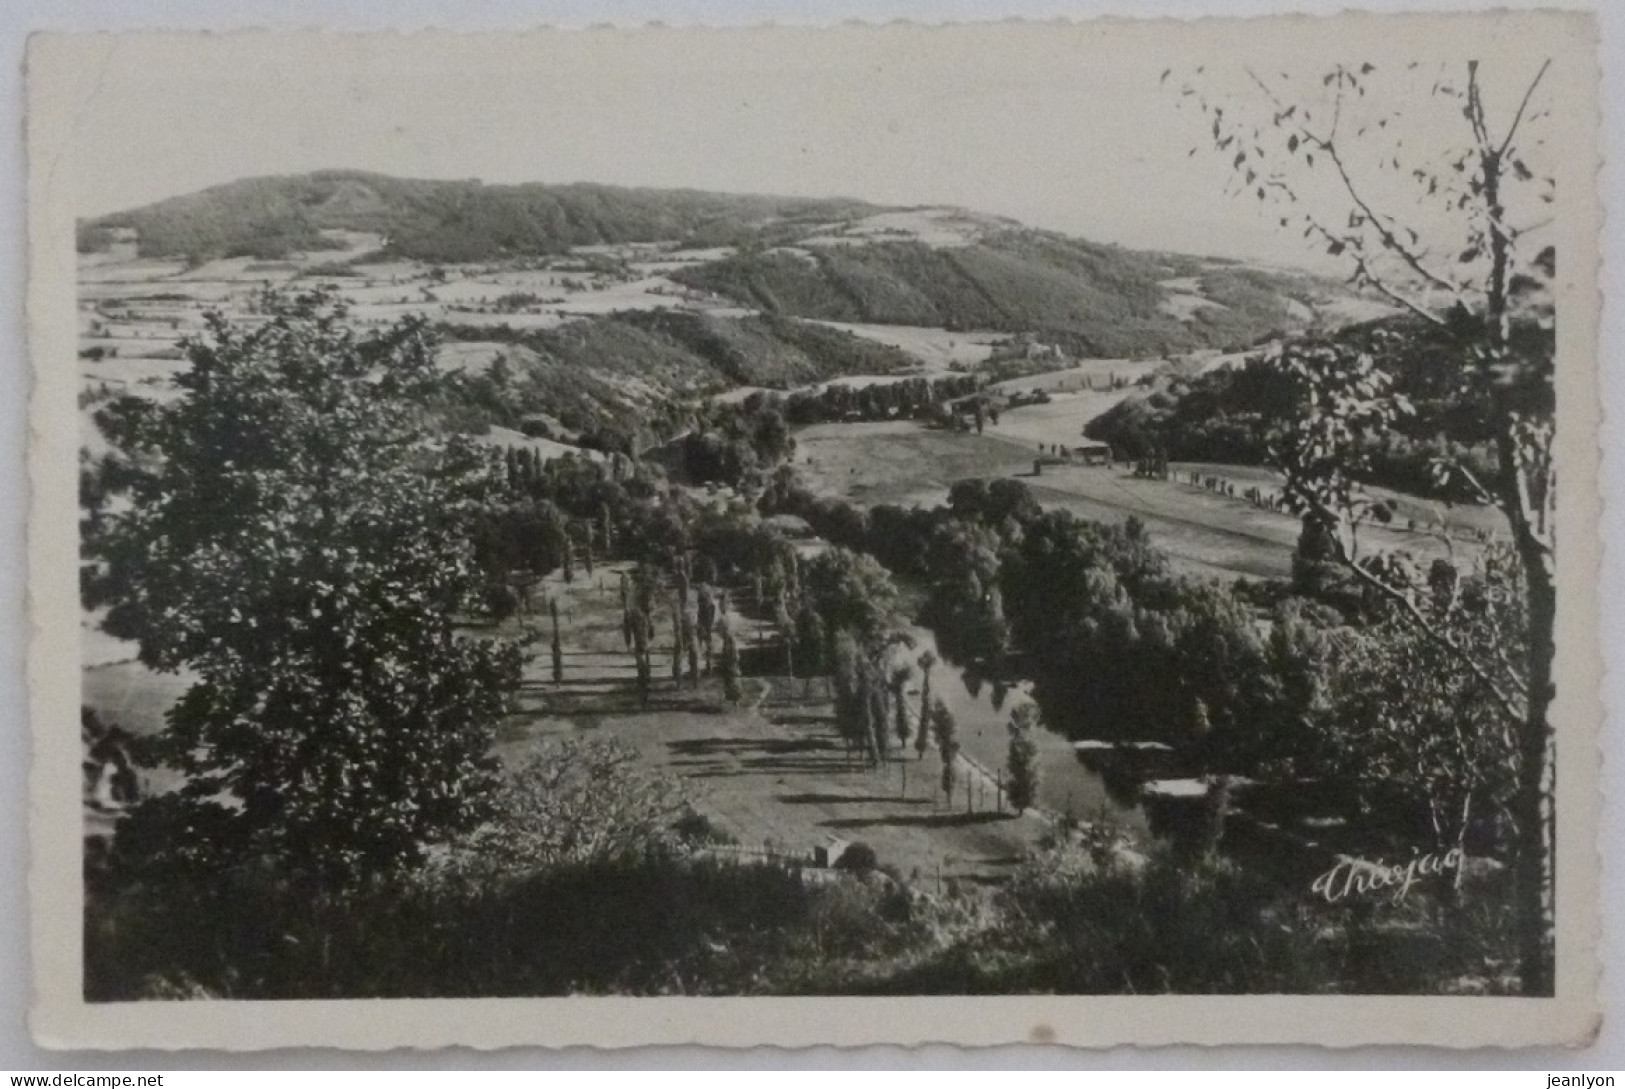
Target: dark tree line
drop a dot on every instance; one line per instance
(1120, 647)
(1242, 415)
(905, 398)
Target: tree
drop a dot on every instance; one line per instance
(676, 640)
(566, 547)
(878, 725)
(1476, 297)
(640, 653)
(730, 665)
(946, 733)
(851, 592)
(626, 612)
(950, 773)
(787, 631)
(297, 538)
(572, 801)
(851, 694)
(810, 634)
(639, 622)
(706, 619)
(606, 529)
(922, 739)
(556, 646)
(900, 675)
(1022, 759)
(691, 646)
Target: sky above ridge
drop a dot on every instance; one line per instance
(1061, 129)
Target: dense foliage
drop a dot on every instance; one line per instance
(1239, 415)
(1474, 262)
(1093, 300)
(671, 921)
(623, 381)
(1120, 647)
(438, 221)
(288, 534)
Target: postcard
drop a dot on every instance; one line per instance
(1077, 532)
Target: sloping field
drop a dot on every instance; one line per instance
(899, 461)
(1204, 532)
(547, 448)
(938, 349)
(1061, 421)
(773, 774)
(1427, 514)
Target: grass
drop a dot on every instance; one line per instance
(1203, 532)
(899, 461)
(904, 463)
(770, 772)
(1427, 514)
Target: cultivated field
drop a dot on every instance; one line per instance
(1205, 532)
(939, 350)
(899, 461)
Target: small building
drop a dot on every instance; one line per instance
(828, 853)
(1093, 453)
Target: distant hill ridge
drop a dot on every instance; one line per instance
(1095, 300)
(824, 259)
(443, 221)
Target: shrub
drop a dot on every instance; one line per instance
(859, 857)
(1171, 926)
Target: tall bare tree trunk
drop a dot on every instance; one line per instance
(1535, 875)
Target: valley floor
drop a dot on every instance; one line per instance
(1205, 532)
(771, 772)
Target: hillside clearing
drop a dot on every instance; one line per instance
(1205, 532)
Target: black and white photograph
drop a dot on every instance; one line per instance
(1080, 513)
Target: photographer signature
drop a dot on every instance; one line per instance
(1362, 877)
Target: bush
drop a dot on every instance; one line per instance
(695, 827)
(1171, 926)
(859, 857)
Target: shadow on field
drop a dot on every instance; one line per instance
(704, 745)
(710, 769)
(803, 720)
(911, 820)
(852, 799)
(729, 757)
(582, 698)
(1002, 860)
